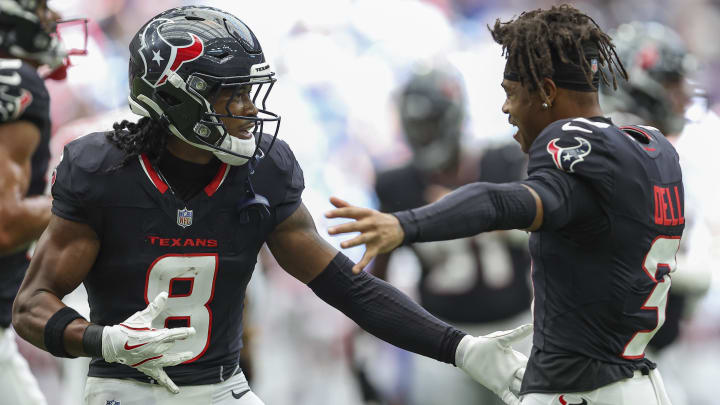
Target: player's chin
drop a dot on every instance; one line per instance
(520, 139)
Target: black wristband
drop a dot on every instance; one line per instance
(54, 330)
(92, 340)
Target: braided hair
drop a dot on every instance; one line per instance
(532, 41)
(147, 136)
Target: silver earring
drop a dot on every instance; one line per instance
(545, 106)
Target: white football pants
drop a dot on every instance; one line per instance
(17, 384)
(115, 391)
(640, 389)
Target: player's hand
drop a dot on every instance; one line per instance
(379, 232)
(491, 361)
(134, 342)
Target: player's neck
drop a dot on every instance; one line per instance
(572, 104)
(188, 152)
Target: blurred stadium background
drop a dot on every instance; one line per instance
(340, 64)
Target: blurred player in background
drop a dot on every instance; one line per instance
(28, 41)
(162, 220)
(489, 271)
(605, 205)
(658, 93)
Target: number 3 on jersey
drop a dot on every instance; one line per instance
(190, 283)
(660, 256)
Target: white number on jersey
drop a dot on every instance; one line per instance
(199, 270)
(662, 254)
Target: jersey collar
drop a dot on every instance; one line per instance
(163, 187)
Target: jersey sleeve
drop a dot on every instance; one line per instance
(70, 191)
(578, 148)
(569, 204)
(279, 178)
(23, 95)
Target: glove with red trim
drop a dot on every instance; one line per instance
(134, 342)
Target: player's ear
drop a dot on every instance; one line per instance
(550, 91)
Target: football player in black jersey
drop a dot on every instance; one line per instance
(162, 221)
(605, 205)
(25, 28)
(487, 271)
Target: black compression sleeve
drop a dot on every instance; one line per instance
(469, 210)
(384, 311)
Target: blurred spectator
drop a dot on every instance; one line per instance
(481, 283)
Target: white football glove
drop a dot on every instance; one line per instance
(491, 361)
(134, 342)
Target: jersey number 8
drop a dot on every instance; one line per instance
(190, 307)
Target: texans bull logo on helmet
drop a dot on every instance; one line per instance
(566, 157)
(161, 57)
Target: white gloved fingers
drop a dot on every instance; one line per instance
(177, 334)
(509, 398)
(516, 383)
(156, 307)
(507, 338)
(173, 359)
(159, 375)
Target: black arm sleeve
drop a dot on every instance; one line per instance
(469, 210)
(567, 200)
(384, 311)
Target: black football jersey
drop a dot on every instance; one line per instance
(202, 252)
(23, 97)
(602, 258)
(471, 280)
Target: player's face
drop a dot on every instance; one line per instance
(524, 112)
(236, 101)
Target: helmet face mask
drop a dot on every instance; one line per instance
(182, 60)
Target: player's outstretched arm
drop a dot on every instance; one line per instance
(467, 211)
(387, 313)
(65, 254)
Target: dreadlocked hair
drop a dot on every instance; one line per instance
(147, 137)
(530, 40)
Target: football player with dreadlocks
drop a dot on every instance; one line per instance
(605, 206)
(27, 42)
(162, 220)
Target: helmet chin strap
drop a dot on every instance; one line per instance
(240, 146)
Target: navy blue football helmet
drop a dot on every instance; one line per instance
(180, 61)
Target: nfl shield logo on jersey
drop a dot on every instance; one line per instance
(184, 217)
